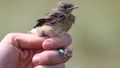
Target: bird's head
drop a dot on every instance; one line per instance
(66, 7)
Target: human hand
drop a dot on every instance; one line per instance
(18, 50)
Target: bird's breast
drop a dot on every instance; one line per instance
(46, 30)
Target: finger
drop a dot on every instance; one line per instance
(51, 66)
(49, 57)
(25, 41)
(57, 42)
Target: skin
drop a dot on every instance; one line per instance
(19, 50)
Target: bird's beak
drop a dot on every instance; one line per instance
(75, 7)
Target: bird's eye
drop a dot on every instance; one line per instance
(67, 6)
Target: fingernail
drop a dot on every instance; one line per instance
(35, 60)
(65, 53)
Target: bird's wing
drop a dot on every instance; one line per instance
(43, 20)
(50, 18)
(40, 22)
(57, 17)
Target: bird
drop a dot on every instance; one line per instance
(56, 22)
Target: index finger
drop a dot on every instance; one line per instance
(24, 41)
(57, 42)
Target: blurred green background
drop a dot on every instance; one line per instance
(96, 33)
